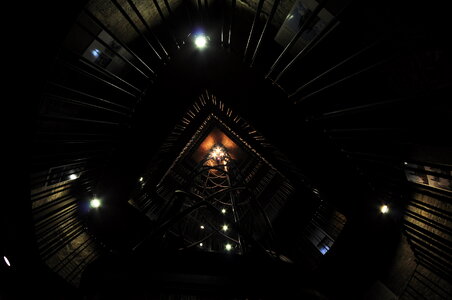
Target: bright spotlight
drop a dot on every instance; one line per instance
(202, 226)
(223, 211)
(201, 41)
(73, 176)
(201, 244)
(384, 209)
(7, 261)
(95, 52)
(95, 203)
(228, 247)
(225, 227)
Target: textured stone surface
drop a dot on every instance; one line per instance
(115, 21)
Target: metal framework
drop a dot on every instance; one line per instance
(87, 107)
(215, 179)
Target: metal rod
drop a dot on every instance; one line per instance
(430, 239)
(61, 225)
(51, 217)
(134, 26)
(256, 17)
(434, 265)
(330, 27)
(88, 74)
(47, 243)
(198, 241)
(162, 16)
(65, 118)
(223, 23)
(264, 31)
(235, 213)
(63, 161)
(199, 204)
(365, 129)
(425, 207)
(319, 39)
(49, 192)
(173, 19)
(79, 141)
(61, 173)
(232, 21)
(145, 24)
(83, 134)
(88, 95)
(187, 12)
(168, 7)
(111, 49)
(55, 201)
(56, 223)
(106, 72)
(303, 51)
(69, 238)
(80, 103)
(297, 35)
(357, 109)
(444, 195)
(110, 33)
(67, 259)
(78, 267)
(436, 225)
(435, 284)
(43, 157)
(435, 244)
(327, 71)
(302, 99)
(201, 15)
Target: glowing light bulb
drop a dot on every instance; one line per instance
(141, 179)
(95, 52)
(201, 244)
(95, 203)
(225, 227)
(223, 211)
(228, 247)
(73, 176)
(384, 209)
(202, 226)
(200, 41)
(7, 261)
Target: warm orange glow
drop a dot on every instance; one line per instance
(216, 136)
(207, 144)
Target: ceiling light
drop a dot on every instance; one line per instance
(95, 203)
(73, 176)
(223, 211)
(201, 41)
(384, 209)
(225, 227)
(7, 261)
(228, 247)
(95, 52)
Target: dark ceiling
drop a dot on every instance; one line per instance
(347, 118)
